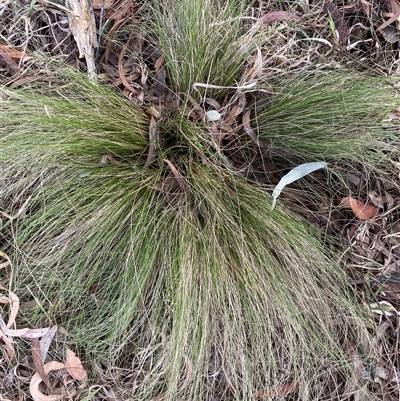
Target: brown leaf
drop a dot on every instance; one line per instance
(74, 366)
(8, 58)
(176, 173)
(281, 391)
(13, 300)
(360, 209)
(153, 132)
(14, 53)
(376, 199)
(380, 201)
(38, 363)
(159, 63)
(9, 347)
(3, 265)
(237, 108)
(394, 5)
(247, 128)
(280, 15)
(23, 333)
(36, 394)
(121, 71)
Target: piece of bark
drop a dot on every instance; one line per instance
(82, 24)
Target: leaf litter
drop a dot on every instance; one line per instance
(39, 350)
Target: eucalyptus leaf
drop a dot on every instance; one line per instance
(295, 174)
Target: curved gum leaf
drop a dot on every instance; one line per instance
(293, 175)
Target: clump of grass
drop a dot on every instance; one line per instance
(327, 116)
(203, 42)
(186, 269)
(180, 269)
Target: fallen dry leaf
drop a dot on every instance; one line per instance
(380, 201)
(36, 394)
(152, 141)
(176, 173)
(394, 5)
(13, 300)
(280, 15)
(377, 199)
(38, 362)
(8, 59)
(237, 108)
(247, 128)
(360, 209)
(14, 53)
(281, 391)
(74, 366)
(121, 70)
(159, 63)
(45, 342)
(384, 308)
(8, 346)
(5, 256)
(23, 333)
(338, 19)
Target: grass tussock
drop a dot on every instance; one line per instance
(204, 42)
(175, 270)
(179, 269)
